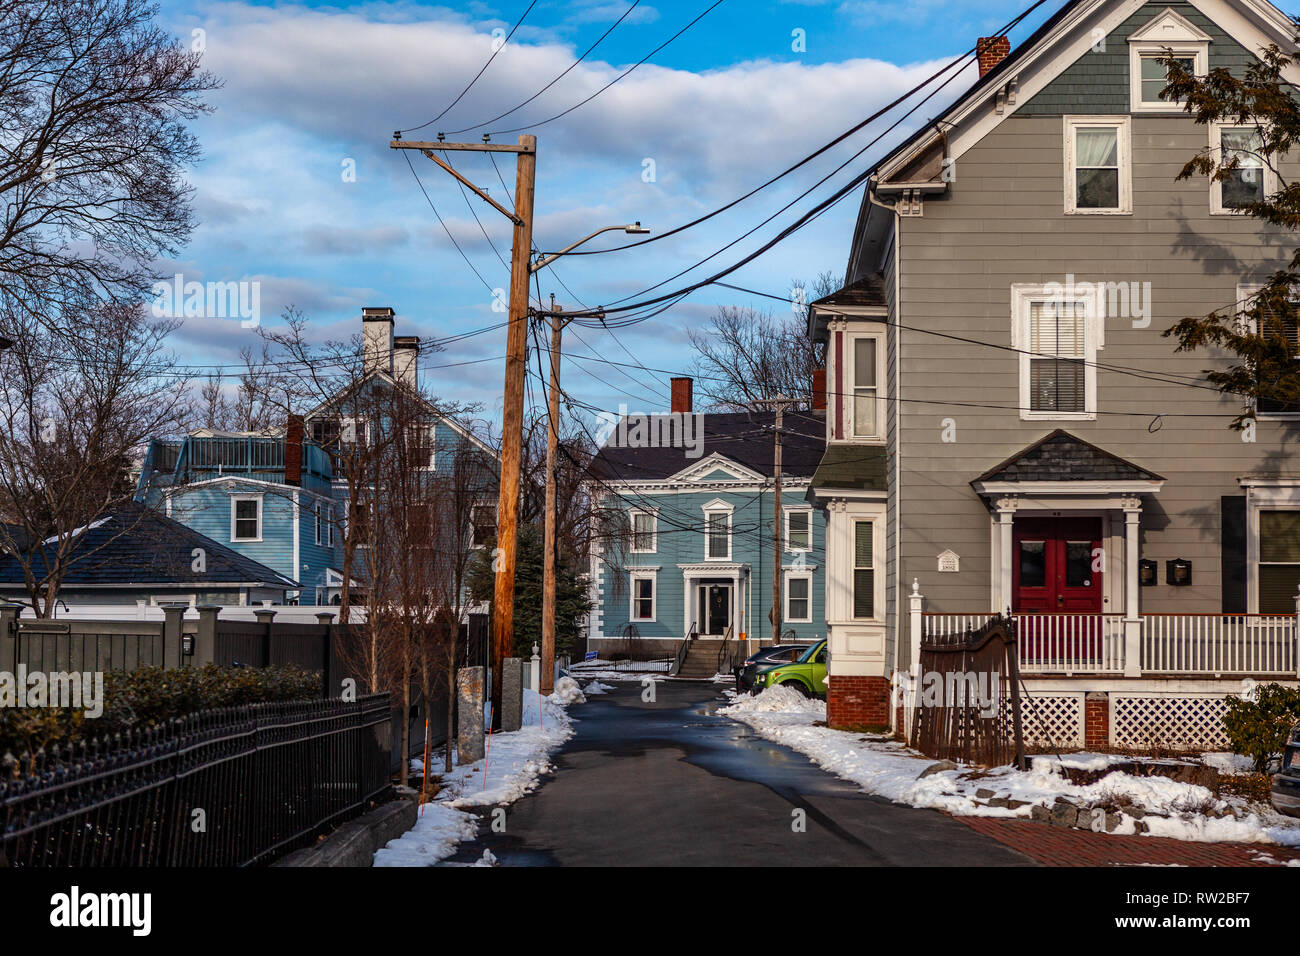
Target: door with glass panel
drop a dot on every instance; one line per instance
(1057, 591)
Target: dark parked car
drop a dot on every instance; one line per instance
(1286, 782)
(762, 659)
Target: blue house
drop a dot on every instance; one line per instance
(694, 493)
(268, 498)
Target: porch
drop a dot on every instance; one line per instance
(1202, 646)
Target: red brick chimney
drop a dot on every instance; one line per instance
(293, 451)
(992, 51)
(683, 395)
(819, 390)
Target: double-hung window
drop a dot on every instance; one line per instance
(798, 530)
(246, 518)
(866, 419)
(643, 532)
(718, 535)
(1098, 165)
(1250, 181)
(1278, 322)
(798, 598)
(864, 569)
(483, 522)
(317, 513)
(1279, 561)
(1057, 334)
(643, 597)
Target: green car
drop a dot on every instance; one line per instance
(806, 675)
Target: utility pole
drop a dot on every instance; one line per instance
(552, 446)
(780, 403)
(558, 321)
(512, 419)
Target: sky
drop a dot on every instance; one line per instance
(299, 191)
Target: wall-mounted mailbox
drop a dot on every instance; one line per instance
(1148, 574)
(1178, 572)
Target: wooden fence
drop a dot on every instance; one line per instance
(967, 697)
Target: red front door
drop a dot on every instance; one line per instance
(1057, 567)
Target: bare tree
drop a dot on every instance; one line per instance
(256, 402)
(79, 404)
(93, 146)
(746, 355)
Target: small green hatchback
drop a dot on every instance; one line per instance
(806, 675)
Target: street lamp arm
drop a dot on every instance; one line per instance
(542, 263)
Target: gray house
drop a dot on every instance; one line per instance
(1009, 430)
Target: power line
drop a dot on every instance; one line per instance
(585, 54)
(495, 51)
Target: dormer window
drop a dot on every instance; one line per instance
(1166, 36)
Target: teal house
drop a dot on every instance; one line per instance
(694, 496)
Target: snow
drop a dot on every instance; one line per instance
(514, 763)
(596, 687)
(889, 769)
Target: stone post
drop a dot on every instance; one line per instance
(205, 641)
(512, 694)
(173, 617)
(469, 706)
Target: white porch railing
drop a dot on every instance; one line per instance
(1051, 643)
(1261, 645)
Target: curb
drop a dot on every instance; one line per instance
(354, 844)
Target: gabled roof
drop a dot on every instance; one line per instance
(742, 437)
(1061, 456)
(864, 297)
(139, 546)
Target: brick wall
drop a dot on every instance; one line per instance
(1096, 721)
(992, 51)
(853, 701)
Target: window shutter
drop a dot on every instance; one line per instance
(1232, 553)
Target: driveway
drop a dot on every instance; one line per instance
(669, 784)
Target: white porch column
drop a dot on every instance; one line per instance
(1006, 515)
(1132, 611)
(917, 600)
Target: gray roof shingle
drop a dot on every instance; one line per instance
(1061, 456)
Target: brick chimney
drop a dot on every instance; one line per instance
(406, 353)
(377, 339)
(682, 395)
(819, 390)
(293, 451)
(992, 51)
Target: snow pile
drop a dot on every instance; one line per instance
(596, 687)
(514, 763)
(434, 837)
(889, 769)
(568, 691)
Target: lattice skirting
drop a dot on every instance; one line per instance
(1049, 721)
(1173, 722)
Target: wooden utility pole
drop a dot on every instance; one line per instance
(552, 446)
(512, 418)
(780, 403)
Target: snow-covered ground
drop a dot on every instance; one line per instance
(885, 767)
(513, 764)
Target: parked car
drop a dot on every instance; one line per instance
(806, 675)
(1286, 782)
(747, 672)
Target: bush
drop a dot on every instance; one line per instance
(151, 696)
(1259, 728)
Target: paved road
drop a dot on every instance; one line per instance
(669, 784)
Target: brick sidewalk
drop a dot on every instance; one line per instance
(1061, 846)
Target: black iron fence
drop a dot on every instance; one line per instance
(236, 786)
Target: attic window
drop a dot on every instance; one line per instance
(1167, 35)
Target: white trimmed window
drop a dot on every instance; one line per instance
(644, 532)
(317, 515)
(717, 534)
(1098, 165)
(1057, 332)
(866, 372)
(643, 597)
(246, 518)
(1272, 408)
(1168, 34)
(798, 529)
(798, 598)
(1252, 181)
(483, 525)
(864, 569)
(330, 526)
(1279, 561)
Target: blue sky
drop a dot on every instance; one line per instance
(314, 90)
